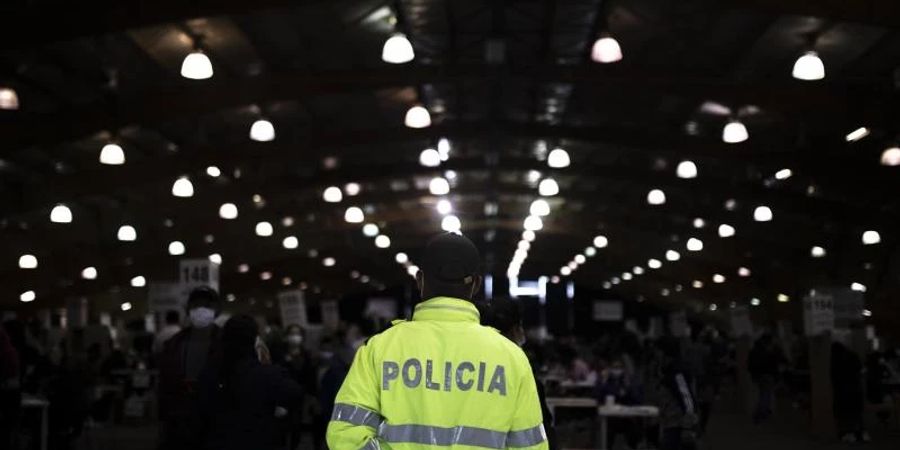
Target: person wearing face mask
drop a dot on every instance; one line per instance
(441, 379)
(617, 383)
(188, 360)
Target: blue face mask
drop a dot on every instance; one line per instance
(202, 317)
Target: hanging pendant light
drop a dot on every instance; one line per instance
(262, 131)
(112, 155)
(606, 50)
(417, 117)
(127, 233)
(397, 50)
(61, 214)
(891, 157)
(183, 188)
(196, 66)
(558, 158)
(809, 67)
(735, 132)
(9, 100)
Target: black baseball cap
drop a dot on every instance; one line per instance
(451, 258)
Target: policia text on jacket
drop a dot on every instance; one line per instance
(465, 375)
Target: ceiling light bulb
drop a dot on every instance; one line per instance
(580, 259)
(817, 252)
(718, 278)
(354, 214)
(215, 258)
(754, 301)
(183, 187)
(290, 242)
(61, 214)
(27, 296)
(28, 262)
(548, 187)
(638, 270)
(654, 263)
(539, 207)
(228, 211)
(726, 230)
(523, 245)
(112, 154)
(601, 241)
(243, 268)
(809, 67)
(332, 194)
(430, 158)
(734, 132)
(196, 66)
(265, 275)
(891, 157)
(328, 262)
(533, 223)
(352, 189)
(627, 276)
(528, 235)
(590, 252)
(857, 134)
(382, 241)
(370, 230)
(213, 171)
(743, 272)
(699, 223)
(264, 229)
(686, 170)
(262, 131)
(606, 50)
(126, 306)
(871, 237)
(783, 174)
(730, 204)
(444, 207)
(138, 281)
(783, 298)
(127, 233)
(558, 158)
(439, 186)
(451, 223)
(713, 307)
(762, 214)
(417, 117)
(694, 245)
(858, 287)
(9, 100)
(397, 50)
(89, 273)
(656, 197)
(401, 258)
(176, 248)
(697, 284)
(672, 255)
(565, 271)
(412, 270)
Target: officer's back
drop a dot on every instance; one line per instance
(440, 380)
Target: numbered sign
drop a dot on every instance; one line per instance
(293, 308)
(194, 273)
(818, 312)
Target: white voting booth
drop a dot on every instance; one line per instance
(292, 305)
(818, 312)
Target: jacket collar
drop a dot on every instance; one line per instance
(446, 309)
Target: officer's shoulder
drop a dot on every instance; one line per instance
(395, 326)
(503, 342)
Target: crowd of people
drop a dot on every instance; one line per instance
(243, 384)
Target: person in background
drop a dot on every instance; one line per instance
(506, 316)
(171, 328)
(877, 374)
(240, 406)
(10, 391)
(675, 399)
(847, 385)
(618, 383)
(191, 356)
(301, 368)
(763, 364)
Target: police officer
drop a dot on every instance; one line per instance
(440, 380)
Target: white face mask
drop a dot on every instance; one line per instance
(202, 317)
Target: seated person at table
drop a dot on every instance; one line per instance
(617, 383)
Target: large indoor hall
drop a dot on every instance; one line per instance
(450, 225)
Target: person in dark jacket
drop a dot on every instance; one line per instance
(188, 359)
(847, 385)
(764, 364)
(506, 316)
(241, 406)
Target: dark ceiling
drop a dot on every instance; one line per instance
(94, 72)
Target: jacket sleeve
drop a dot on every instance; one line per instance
(355, 419)
(527, 432)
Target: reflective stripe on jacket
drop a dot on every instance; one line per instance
(439, 381)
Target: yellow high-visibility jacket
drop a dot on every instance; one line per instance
(439, 381)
